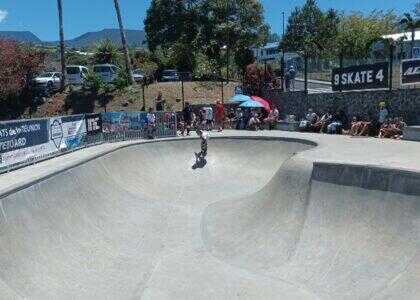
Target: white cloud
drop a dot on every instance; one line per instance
(3, 15)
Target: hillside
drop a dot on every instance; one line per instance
(20, 36)
(135, 38)
(130, 99)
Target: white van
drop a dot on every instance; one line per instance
(108, 73)
(76, 75)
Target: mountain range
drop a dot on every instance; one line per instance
(135, 38)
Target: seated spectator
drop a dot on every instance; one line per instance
(254, 122)
(272, 118)
(311, 119)
(322, 123)
(392, 128)
(338, 123)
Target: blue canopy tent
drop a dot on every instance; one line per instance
(251, 104)
(240, 98)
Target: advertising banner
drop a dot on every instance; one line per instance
(410, 71)
(93, 124)
(362, 77)
(68, 132)
(23, 140)
(115, 122)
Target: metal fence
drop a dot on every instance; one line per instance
(314, 75)
(163, 127)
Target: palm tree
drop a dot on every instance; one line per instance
(410, 24)
(62, 47)
(124, 43)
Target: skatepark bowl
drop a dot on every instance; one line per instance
(258, 220)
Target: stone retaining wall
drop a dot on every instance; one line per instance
(405, 103)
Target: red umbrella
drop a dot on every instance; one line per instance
(263, 102)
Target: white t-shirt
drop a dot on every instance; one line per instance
(151, 118)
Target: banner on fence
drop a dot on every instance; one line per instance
(68, 132)
(362, 77)
(410, 71)
(93, 124)
(115, 122)
(23, 140)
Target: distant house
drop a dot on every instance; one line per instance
(403, 52)
(269, 52)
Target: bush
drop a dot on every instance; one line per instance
(93, 82)
(122, 80)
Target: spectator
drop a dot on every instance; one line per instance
(240, 119)
(272, 118)
(392, 128)
(322, 124)
(338, 123)
(159, 102)
(382, 115)
(231, 118)
(220, 115)
(253, 122)
(311, 119)
(291, 75)
(151, 124)
(238, 90)
(187, 114)
(209, 118)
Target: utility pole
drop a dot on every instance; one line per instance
(283, 65)
(124, 43)
(62, 47)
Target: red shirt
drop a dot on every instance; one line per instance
(220, 111)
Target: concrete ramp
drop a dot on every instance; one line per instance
(341, 232)
(256, 222)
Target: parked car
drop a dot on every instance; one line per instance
(139, 76)
(170, 75)
(108, 73)
(76, 75)
(48, 81)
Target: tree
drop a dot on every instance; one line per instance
(256, 78)
(171, 26)
(187, 28)
(357, 32)
(106, 53)
(124, 43)
(410, 24)
(236, 24)
(311, 29)
(62, 46)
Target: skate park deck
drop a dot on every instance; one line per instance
(272, 215)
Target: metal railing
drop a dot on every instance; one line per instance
(87, 141)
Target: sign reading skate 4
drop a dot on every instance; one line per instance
(363, 77)
(410, 71)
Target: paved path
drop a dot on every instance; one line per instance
(272, 215)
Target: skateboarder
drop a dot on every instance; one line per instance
(204, 137)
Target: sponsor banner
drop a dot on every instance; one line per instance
(410, 71)
(362, 77)
(68, 132)
(114, 122)
(23, 140)
(93, 124)
(416, 52)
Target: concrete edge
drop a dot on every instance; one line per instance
(28, 183)
(369, 177)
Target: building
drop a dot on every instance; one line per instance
(403, 49)
(269, 52)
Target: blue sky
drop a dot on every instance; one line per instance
(40, 16)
